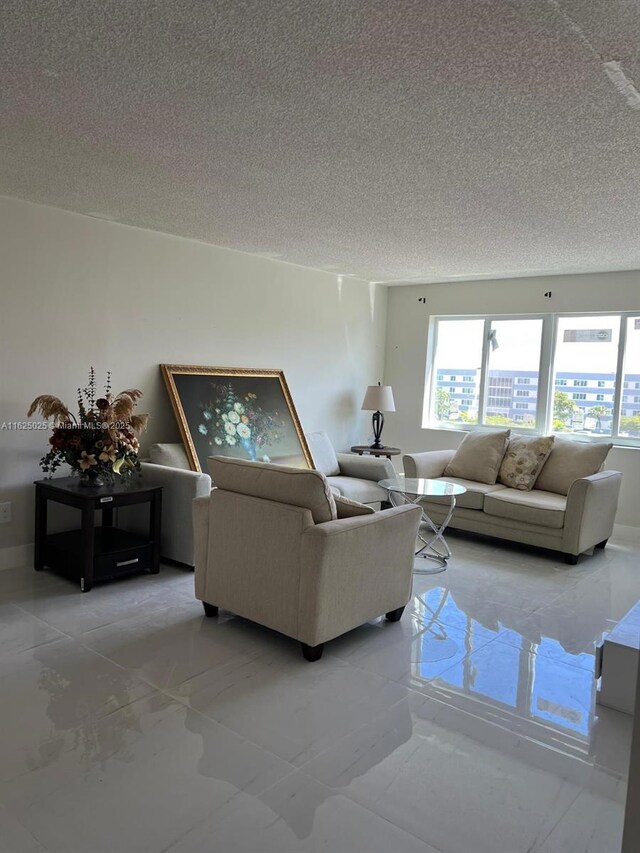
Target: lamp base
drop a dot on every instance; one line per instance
(377, 421)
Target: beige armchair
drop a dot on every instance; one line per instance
(274, 545)
(350, 475)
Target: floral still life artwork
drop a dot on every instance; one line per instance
(244, 413)
(100, 444)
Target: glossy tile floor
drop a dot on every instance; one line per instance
(131, 723)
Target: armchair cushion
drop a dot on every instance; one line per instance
(299, 487)
(479, 456)
(324, 456)
(569, 461)
(171, 455)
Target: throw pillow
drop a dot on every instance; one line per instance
(569, 461)
(347, 508)
(523, 461)
(479, 457)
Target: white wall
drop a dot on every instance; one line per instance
(77, 292)
(406, 348)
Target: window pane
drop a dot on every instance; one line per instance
(458, 356)
(629, 409)
(586, 355)
(512, 381)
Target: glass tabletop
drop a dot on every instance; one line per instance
(421, 486)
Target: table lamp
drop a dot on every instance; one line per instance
(377, 399)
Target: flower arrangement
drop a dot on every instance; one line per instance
(101, 443)
(230, 421)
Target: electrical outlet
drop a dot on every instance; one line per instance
(5, 512)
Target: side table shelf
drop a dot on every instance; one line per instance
(93, 552)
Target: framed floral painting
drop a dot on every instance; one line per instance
(234, 411)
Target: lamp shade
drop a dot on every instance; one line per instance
(379, 398)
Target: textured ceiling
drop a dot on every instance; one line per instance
(397, 140)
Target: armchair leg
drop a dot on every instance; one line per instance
(312, 653)
(210, 609)
(571, 559)
(602, 544)
(394, 615)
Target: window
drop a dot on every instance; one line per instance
(585, 345)
(508, 364)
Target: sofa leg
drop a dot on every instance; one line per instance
(312, 653)
(210, 609)
(602, 544)
(395, 615)
(571, 559)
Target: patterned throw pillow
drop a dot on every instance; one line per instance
(523, 461)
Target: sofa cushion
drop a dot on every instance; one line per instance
(364, 491)
(535, 507)
(523, 460)
(324, 456)
(569, 461)
(171, 455)
(479, 456)
(294, 486)
(473, 498)
(347, 508)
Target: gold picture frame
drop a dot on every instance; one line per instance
(243, 412)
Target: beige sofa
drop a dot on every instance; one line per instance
(562, 513)
(274, 545)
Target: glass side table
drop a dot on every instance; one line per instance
(408, 490)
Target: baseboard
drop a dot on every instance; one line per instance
(626, 533)
(16, 557)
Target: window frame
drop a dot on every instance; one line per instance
(546, 379)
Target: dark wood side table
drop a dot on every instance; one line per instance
(96, 553)
(376, 451)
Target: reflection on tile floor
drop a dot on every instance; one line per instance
(132, 723)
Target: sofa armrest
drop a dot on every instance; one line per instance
(591, 510)
(365, 467)
(354, 569)
(429, 464)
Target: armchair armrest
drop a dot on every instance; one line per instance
(200, 520)
(429, 464)
(180, 488)
(354, 569)
(591, 510)
(365, 467)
